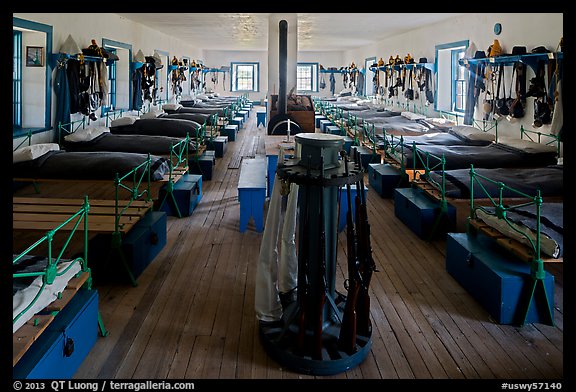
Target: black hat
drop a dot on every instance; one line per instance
(518, 50)
(480, 54)
(540, 49)
(422, 60)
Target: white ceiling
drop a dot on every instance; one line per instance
(316, 31)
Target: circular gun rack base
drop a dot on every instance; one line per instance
(280, 343)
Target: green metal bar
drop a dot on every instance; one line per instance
(536, 290)
(51, 272)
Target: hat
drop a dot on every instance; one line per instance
(422, 60)
(70, 46)
(540, 49)
(158, 59)
(139, 57)
(109, 55)
(518, 50)
(480, 54)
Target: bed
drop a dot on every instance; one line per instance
(525, 164)
(504, 152)
(125, 187)
(528, 229)
(45, 283)
(56, 164)
(454, 186)
(208, 117)
(77, 137)
(548, 179)
(131, 125)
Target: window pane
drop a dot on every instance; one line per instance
(244, 77)
(304, 78)
(17, 80)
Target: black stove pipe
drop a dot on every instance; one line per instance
(281, 123)
(282, 105)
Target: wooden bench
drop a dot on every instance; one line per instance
(138, 238)
(252, 192)
(39, 213)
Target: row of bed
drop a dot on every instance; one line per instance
(507, 188)
(116, 172)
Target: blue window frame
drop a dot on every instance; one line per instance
(186, 63)
(117, 77)
(17, 80)
(111, 84)
(19, 23)
(164, 75)
(245, 76)
(451, 86)
(368, 77)
(459, 86)
(307, 77)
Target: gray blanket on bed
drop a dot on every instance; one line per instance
(375, 113)
(549, 179)
(143, 144)
(159, 126)
(88, 166)
(431, 138)
(399, 124)
(200, 118)
(493, 155)
(187, 109)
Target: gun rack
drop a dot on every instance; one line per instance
(323, 332)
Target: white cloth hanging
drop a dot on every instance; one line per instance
(558, 114)
(275, 274)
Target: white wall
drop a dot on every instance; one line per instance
(33, 83)
(518, 29)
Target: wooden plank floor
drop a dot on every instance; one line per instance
(192, 314)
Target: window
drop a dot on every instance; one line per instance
(245, 77)
(451, 82)
(307, 77)
(33, 97)
(459, 84)
(119, 75)
(162, 76)
(17, 80)
(111, 84)
(369, 77)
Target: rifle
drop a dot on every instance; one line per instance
(303, 274)
(321, 276)
(347, 338)
(367, 264)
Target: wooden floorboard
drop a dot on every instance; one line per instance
(192, 314)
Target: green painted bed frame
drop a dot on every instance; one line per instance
(536, 289)
(50, 273)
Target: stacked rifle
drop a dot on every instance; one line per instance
(356, 317)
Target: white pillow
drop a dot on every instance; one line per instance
(152, 114)
(126, 120)
(86, 134)
(413, 116)
(171, 106)
(526, 145)
(34, 151)
(440, 121)
(472, 133)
